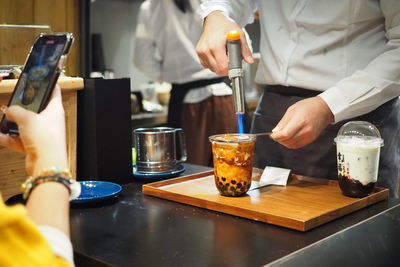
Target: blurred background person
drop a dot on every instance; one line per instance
(200, 102)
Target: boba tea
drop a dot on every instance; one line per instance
(233, 163)
(358, 163)
(358, 146)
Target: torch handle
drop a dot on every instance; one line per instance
(235, 70)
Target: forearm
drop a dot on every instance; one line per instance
(48, 204)
(359, 94)
(45, 161)
(376, 83)
(18, 234)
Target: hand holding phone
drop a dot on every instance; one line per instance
(42, 137)
(42, 68)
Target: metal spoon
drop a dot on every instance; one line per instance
(260, 134)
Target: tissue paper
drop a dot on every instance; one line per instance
(272, 176)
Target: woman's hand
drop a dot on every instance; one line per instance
(41, 136)
(211, 47)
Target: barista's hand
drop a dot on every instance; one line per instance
(211, 47)
(41, 136)
(302, 123)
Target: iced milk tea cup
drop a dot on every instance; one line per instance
(358, 146)
(233, 162)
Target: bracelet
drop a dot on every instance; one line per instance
(52, 175)
(44, 179)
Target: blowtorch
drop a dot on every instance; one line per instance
(235, 72)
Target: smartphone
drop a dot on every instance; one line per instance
(41, 70)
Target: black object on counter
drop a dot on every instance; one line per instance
(104, 145)
(98, 63)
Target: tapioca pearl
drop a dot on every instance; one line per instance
(233, 181)
(239, 185)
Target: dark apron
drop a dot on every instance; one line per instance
(319, 158)
(214, 115)
(178, 93)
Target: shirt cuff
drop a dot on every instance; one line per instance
(59, 242)
(336, 102)
(205, 9)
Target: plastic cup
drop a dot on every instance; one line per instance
(358, 163)
(358, 146)
(233, 163)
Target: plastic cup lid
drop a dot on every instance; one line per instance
(359, 133)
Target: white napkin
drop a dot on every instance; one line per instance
(272, 176)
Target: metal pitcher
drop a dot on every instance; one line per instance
(156, 149)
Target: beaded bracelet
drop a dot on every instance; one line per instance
(51, 175)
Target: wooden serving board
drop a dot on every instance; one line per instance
(303, 204)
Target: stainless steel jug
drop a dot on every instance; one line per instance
(156, 149)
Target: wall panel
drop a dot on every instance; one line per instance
(60, 15)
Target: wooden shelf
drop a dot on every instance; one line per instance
(65, 83)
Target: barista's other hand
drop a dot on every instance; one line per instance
(302, 123)
(41, 136)
(211, 47)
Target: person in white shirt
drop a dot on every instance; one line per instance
(201, 103)
(322, 63)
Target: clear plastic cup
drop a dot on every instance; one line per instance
(358, 146)
(233, 162)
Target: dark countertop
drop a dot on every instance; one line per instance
(140, 230)
(373, 242)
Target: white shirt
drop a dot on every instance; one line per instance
(349, 49)
(59, 242)
(165, 47)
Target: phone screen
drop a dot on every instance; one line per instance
(39, 75)
(38, 72)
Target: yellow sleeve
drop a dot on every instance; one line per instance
(21, 243)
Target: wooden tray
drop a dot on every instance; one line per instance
(303, 204)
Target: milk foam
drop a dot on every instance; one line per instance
(360, 157)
